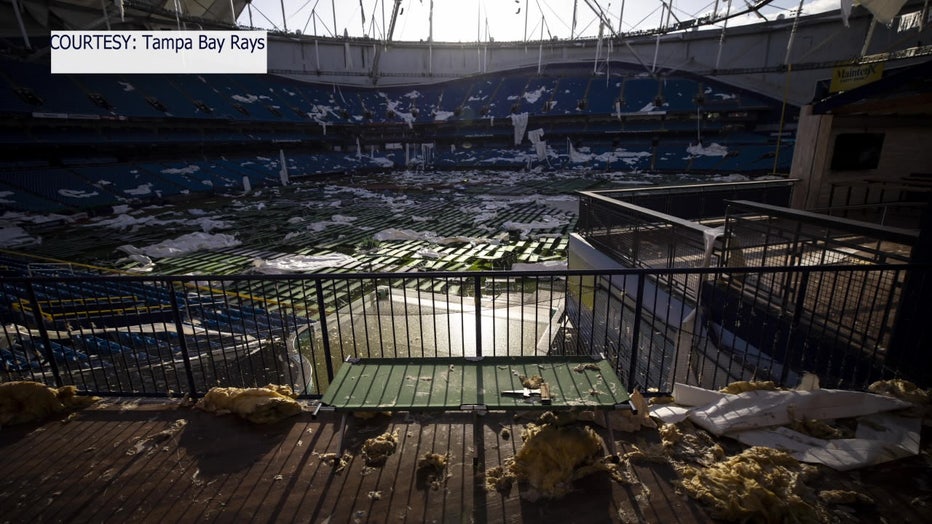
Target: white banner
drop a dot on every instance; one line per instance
(159, 52)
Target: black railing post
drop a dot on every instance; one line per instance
(636, 331)
(477, 289)
(324, 334)
(182, 342)
(797, 317)
(40, 325)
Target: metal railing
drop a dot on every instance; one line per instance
(180, 336)
(668, 226)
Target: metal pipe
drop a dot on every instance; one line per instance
(526, 2)
(19, 21)
(721, 38)
(870, 35)
(789, 42)
(621, 15)
(362, 13)
(284, 18)
(573, 26)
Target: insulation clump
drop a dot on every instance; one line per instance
(819, 429)
(501, 478)
(743, 386)
(340, 462)
(681, 445)
(759, 485)
(376, 450)
(840, 496)
(26, 401)
(432, 471)
(552, 457)
(265, 405)
(555, 453)
(901, 389)
(532, 382)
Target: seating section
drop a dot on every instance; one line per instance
(233, 114)
(27, 88)
(111, 325)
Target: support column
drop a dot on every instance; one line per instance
(811, 158)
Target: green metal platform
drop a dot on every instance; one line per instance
(458, 383)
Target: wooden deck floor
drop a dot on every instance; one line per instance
(134, 462)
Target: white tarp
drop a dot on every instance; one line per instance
(712, 149)
(301, 263)
(392, 233)
(760, 409)
(540, 146)
(883, 10)
(758, 418)
(519, 121)
(190, 243)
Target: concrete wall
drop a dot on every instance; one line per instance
(906, 150)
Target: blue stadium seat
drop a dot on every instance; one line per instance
(568, 93)
(603, 93)
(639, 95)
(679, 94)
(121, 94)
(54, 94)
(62, 186)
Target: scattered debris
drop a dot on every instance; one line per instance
(25, 401)
(501, 478)
(680, 444)
(532, 382)
(581, 368)
(258, 405)
(505, 434)
(622, 420)
(376, 450)
(148, 443)
(802, 422)
(375, 495)
(431, 471)
(332, 459)
(759, 485)
(689, 445)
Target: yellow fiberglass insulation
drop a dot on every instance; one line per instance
(22, 402)
(759, 485)
(743, 386)
(901, 389)
(376, 450)
(257, 405)
(552, 457)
